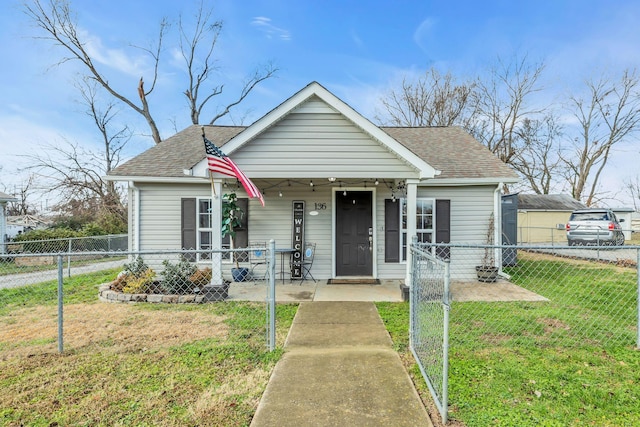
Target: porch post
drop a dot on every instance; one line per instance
(412, 194)
(216, 233)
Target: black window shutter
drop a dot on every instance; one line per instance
(188, 226)
(391, 231)
(443, 227)
(241, 239)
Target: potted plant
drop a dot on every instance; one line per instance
(487, 271)
(231, 219)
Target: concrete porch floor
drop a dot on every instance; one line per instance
(387, 290)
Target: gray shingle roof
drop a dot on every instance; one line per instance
(452, 151)
(181, 151)
(5, 197)
(549, 202)
(449, 149)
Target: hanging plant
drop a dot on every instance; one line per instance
(231, 219)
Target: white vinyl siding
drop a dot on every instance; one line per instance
(316, 141)
(160, 213)
(471, 208)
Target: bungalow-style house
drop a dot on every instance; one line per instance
(357, 190)
(4, 199)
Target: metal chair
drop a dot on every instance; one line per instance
(257, 257)
(307, 261)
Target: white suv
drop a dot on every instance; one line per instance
(594, 226)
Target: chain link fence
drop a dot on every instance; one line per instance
(44, 305)
(429, 322)
(520, 297)
(570, 296)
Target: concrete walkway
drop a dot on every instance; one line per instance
(339, 369)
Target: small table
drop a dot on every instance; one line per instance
(283, 252)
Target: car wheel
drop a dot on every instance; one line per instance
(571, 242)
(620, 239)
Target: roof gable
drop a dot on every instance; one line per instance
(298, 101)
(440, 155)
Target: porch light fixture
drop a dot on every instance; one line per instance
(311, 183)
(344, 193)
(376, 182)
(279, 193)
(332, 179)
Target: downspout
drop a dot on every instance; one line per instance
(497, 232)
(135, 218)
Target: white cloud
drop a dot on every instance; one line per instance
(264, 24)
(423, 35)
(114, 58)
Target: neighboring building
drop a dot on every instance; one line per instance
(22, 223)
(625, 215)
(366, 189)
(542, 217)
(4, 199)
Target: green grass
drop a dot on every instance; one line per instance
(156, 375)
(508, 367)
(8, 266)
(77, 289)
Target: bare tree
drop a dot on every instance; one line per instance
(23, 193)
(197, 46)
(607, 116)
(538, 159)
(58, 23)
(632, 187)
(76, 172)
(501, 104)
(434, 99)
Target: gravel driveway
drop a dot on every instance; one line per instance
(23, 279)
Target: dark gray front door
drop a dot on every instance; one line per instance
(354, 234)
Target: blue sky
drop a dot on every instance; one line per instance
(356, 49)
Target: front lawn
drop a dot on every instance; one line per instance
(568, 362)
(142, 364)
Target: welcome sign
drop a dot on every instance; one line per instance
(297, 242)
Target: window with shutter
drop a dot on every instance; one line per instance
(197, 227)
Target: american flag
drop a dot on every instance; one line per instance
(220, 163)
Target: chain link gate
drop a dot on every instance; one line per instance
(429, 322)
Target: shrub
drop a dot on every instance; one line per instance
(136, 278)
(176, 277)
(201, 278)
(139, 284)
(136, 267)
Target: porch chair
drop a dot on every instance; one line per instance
(257, 258)
(307, 261)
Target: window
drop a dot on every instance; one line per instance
(198, 227)
(204, 227)
(425, 220)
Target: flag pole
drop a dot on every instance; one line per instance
(213, 189)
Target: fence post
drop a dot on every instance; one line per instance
(60, 305)
(69, 258)
(272, 295)
(638, 298)
(445, 341)
(412, 289)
